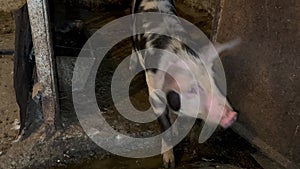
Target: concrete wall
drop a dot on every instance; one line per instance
(263, 73)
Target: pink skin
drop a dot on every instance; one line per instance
(228, 115)
(215, 104)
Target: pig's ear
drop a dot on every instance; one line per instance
(210, 52)
(134, 64)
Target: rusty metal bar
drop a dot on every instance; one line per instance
(44, 57)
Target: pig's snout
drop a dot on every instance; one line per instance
(228, 117)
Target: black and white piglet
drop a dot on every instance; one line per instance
(176, 93)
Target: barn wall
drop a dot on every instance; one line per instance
(263, 73)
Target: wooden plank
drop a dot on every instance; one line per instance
(44, 58)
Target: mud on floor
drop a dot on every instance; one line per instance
(9, 110)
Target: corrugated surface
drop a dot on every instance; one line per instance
(263, 73)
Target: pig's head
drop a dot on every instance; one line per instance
(191, 86)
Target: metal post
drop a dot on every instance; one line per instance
(44, 57)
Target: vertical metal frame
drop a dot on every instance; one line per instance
(44, 57)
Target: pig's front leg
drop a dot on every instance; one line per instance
(165, 123)
(168, 156)
(159, 105)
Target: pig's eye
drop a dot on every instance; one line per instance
(193, 89)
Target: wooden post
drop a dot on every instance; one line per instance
(44, 56)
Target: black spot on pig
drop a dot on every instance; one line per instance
(173, 100)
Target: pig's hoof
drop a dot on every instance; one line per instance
(169, 159)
